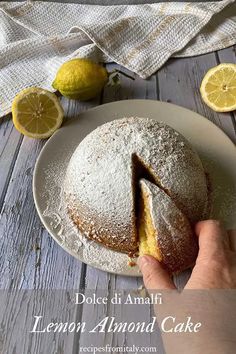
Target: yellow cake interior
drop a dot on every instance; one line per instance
(146, 231)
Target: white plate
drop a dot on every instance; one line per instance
(216, 150)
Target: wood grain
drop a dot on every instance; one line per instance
(10, 142)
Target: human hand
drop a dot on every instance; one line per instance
(215, 266)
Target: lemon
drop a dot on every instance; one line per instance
(36, 113)
(80, 79)
(218, 88)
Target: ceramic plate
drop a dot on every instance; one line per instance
(216, 150)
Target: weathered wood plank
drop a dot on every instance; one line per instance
(226, 55)
(17, 312)
(10, 141)
(128, 88)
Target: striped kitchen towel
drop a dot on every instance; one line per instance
(36, 37)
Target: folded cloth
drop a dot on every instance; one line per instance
(37, 37)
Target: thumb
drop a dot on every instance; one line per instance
(154, 275)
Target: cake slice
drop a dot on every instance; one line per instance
(164, 231)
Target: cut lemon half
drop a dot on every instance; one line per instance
(218, 88)
(37, 113)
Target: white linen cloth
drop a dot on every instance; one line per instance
(37, 37)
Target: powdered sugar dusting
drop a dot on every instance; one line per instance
(67, 233)
(99, 179)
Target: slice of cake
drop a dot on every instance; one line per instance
(164, 231)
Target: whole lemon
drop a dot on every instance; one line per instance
(80, 79)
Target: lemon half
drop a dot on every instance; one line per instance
(37, 113)
(218, 88)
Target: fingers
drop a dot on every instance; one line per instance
(154, 275)
(213, 238)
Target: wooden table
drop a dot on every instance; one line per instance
(30, 259)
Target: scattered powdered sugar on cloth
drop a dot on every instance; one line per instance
(66, 233)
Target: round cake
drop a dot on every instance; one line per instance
(102, 188)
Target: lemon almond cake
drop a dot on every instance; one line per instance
(102, 188)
